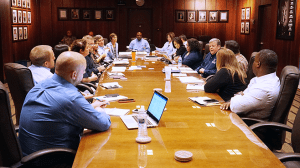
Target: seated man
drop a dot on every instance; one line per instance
(208, 66)
(235, 48)
(68, 39)
(42, 59)
(259, 98)
(103, 51)
(54, 113)
(139, 44)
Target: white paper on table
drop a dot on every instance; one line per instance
(178, 74)
(116, 111)
(141, 53)
(121, 62)
(111, 85)
(124, 53)
(187, 70)
(134, 68)
(115, 74)
(200, 100)
(118, 69)
(195, 87)
(190, 79)
(110, 99)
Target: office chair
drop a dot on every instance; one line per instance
(105, 41)
(289, 80)
(249, 72)
(288, 159)
(10, 150)
(201, 47)
(206, 51)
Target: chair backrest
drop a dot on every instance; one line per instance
(10, 150)
(20, 81)
(105, 41)
(201, 47)
(249, 72)
(296, 133)
(60, 48)
(289, 81)
(206, 51)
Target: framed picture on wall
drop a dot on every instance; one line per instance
(243, 13)
(98, 14)
(24, 16)
(191, 16)
(20, 18)
(248, 12)
(242, 27)
(29, 17)
(202, 16)
(19, 3)
(14, 14)
(15, 33)
(286, 19)
(223, 16)
(213, 16)
(86, 14)
(25, 31)
(28, 4)
(20, 31)
(62, 13)
(24, 3)
(110, 14)
(247, 27)
(13, 2)
(75, 14)
(180, 15)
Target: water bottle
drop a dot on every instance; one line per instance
(179, 61)
(142, 129)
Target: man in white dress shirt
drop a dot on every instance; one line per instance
(259, 98)
(42, 59)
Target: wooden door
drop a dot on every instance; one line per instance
(264, 34)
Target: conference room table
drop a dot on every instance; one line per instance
(216, 138)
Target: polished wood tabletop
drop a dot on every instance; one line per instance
(216, 138)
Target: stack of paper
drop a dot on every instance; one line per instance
(135, 68)
(121, 62)
(115, 74)
(190, 79)
(195, 87)
(116, 111)
(109, 99)
(178, 74)
(205, 101)
(186, 70)
(118, 69)
(111, 85)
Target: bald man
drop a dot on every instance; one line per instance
(54, 113)
(42, 59)
(139, 44)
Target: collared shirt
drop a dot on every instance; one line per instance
(209, 65)
(259, 98)
(40, 73)
(192, 59)
(168, 48)
(141, 45)
(113, 50)
(243, 62)
(54, 114)
(101, 51)
(90, 67)
(185, 43)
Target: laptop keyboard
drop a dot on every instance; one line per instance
(136, 119)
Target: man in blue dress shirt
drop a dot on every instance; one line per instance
(54, 113)
(139, 44)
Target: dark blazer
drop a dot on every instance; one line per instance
(193, 60)
(181, 50)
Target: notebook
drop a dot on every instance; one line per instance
(154, 112)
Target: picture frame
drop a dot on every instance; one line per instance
(98, 14)
(242, 27)
(15, 34)
(202, 16)
(243, 13)
(25, 17)
(29, 17)
(19, 3)
(248, 12)
(247, 27)
(14, 14)
(28, 4)
(13, 3)
(20, 32)
(74, 13)
(191, 16)
(25, 32)
(24, 3)
(223, 16)
(180, 16)
(286, 19)
(62, 14)
(110, 14)
(86, 14)
(20, 17)
(213, 16)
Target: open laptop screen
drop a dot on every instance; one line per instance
(157, 106)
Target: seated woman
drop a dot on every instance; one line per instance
(192, 57)
(168, 46)
(180, 48)
(113, 46)
(229, 79)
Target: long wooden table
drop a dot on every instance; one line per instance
(216, 138)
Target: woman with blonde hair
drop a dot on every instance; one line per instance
(229, 79)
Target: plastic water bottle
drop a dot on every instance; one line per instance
(142, 129)
(179, 61)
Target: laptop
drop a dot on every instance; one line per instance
(154, 112)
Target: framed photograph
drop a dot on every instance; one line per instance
(247, 27)
(14, 14)
(29, 17)
(223, 16)
(248, 10)
(13, 2)
(191, 16)
(213, 16)
(62, 13)
(243, 13)
(202, 16)
(15, 33)
(75, 14)
(110, 14)
(19, 3)
(86, 14)
(24, 16)
(180, 15)
(24, 3)
(98, 14)
(242, 27)
(25, 32)
(28, 4)
(20, 33)
(20, 18)
(286, 19)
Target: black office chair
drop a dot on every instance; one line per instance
(206, 51)
(10, 150)
(249, 72)
(105, 41)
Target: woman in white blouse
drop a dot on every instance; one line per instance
(168, 47)
(113, 46)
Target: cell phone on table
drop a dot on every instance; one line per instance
(211, 101)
